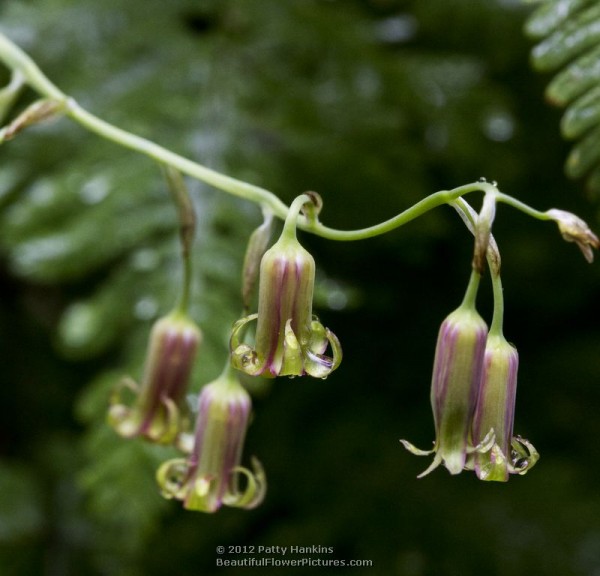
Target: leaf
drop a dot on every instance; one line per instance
(569, 47)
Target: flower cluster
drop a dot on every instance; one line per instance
(289, 341)
(209, 477)
(473, 391)
(473, 387)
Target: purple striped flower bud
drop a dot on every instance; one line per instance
(210, 476)
(454, 388)
(289, 341)
(495, 412)
(156, 411)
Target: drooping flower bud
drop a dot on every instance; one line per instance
(257, 245)
(156, 411)
(574, 229)
(39, 111)
(454, 388)
(495, 411)
(290, 341)
(210, 476)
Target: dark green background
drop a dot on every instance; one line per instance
(374, 104)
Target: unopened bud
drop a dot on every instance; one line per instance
(39, 111)
(454, 388)
(574, 229)
(155, 413)
(210, 476)
(290, 341)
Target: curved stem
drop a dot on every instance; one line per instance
(521, 206)
(162, 155)
(432, 201)
(469, 217)
(184, 298)
(21, 63)
(228, 374)
(187, 229)
(291, 220)
(17, 60)
(496, 326)
(471, 293)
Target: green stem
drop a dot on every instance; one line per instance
(187, 229)
(469, 216)
(537, 214)
(496, 326)
(470, 298)
(184, 296)
(429, 203)
(229, 375)
(20, 62)
(17, 60)
(162, 155)
(291, 220)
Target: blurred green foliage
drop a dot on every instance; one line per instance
(374, 104)
(569, 45)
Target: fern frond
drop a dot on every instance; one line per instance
(568, 32)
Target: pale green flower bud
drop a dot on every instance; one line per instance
(495, 412)
(454, 389)
(156, 411)
(289, 341)
(210, 476)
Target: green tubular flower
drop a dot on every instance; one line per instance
(290, 341)
(210, 477)
(156, 411)
(454, 386)
(495, 411)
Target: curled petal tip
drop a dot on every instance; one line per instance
(123, 420)
(171, 478)
(485, 445)
(256, 487)
(436, 462)
(416, 451)
(243, 356)
(166, 429)
(316, 363)
(295, 358)
(523, 456)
